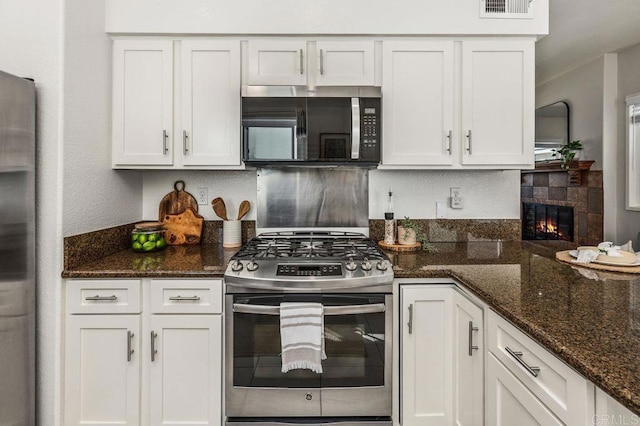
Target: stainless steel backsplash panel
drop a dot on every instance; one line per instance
(313, 197)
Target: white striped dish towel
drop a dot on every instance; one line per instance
(301, 336)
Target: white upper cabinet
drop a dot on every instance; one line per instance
(277, 62)
(458, 104)
(498, 89)
(345, 63)
(417, 107)
(210, 102)
(175, 112)
(142, 102)
(298, 62)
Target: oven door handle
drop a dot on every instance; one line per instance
(374, 308)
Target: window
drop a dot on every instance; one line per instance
(633, 152)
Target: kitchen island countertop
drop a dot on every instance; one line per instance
(589, 319)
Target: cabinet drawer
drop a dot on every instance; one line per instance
(103, 296)
(564, 391)
(186, 296)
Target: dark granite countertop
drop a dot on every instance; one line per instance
(588, 318)
(196, 261)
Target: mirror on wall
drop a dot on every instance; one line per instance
(552, 130)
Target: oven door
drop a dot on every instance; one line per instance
(356, 378)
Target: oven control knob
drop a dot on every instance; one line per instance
(351, 265)
(381, 266)
(308, 397)
(252, 266)
(236, 266)
(366, 265)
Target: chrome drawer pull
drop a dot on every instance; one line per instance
(471, 345)
(517, 355)
(129, 350)
(301, 62)
(112, 298)
(410, 323)
(154, 351)
(179, 298)
(375, 308)
(185, 150)
(165, 148)
(448, 149)
(469, 139)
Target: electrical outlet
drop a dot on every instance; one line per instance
(203, 196)
(456, 198)
(441, 210)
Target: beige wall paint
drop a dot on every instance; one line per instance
(628, 83)
(582, 89)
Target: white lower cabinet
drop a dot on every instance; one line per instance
(509, 402)
(149, 361)
(441, 373)
(529, 385)
(102, 373)
(184, 374)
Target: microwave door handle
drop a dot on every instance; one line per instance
(243, 308)
(355, 128)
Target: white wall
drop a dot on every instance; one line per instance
(487, 194)
(95, 196)
(628, 222)
(315, 17)
(582, 89)
(30, 46)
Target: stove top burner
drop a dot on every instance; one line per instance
(311, 245)
(309, 262)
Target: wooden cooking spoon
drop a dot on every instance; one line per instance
(219, 208)
(244, 209)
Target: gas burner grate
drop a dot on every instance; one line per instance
(310, 245)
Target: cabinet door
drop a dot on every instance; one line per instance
(509, 402)
(345, 63)
(498, 102)
(210, 103)
(426, 376)
(102, 376)
(185, 375)
(278, 62)
(468, 362)
(418, 109)
(142, 102)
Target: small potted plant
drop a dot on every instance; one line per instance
(409, 233)
(567, 153)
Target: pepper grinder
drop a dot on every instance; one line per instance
(389, 222)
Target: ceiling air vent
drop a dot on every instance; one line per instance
(506, 8)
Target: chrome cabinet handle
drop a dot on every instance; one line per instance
(471, 345)
(112, 298)
(321, 63)
(185, 149)
(410, 323)
(154, 351)
(469, 141)
(517, 355)
(179, 298)
(129, 350)
(164, 142)
(301, 62)
(449, 142)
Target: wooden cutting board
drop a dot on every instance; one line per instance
(183, 228)
(177, 201)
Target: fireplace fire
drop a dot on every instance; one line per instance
(547, 222)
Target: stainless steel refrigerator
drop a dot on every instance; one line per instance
(17, 250)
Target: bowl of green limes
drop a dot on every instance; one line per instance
(148, 237)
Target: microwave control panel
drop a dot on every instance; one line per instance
(370, 130)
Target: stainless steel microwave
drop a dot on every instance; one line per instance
(311, 130)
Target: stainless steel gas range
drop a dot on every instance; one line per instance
(352, 278)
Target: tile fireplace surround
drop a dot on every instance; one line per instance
(554, 188)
